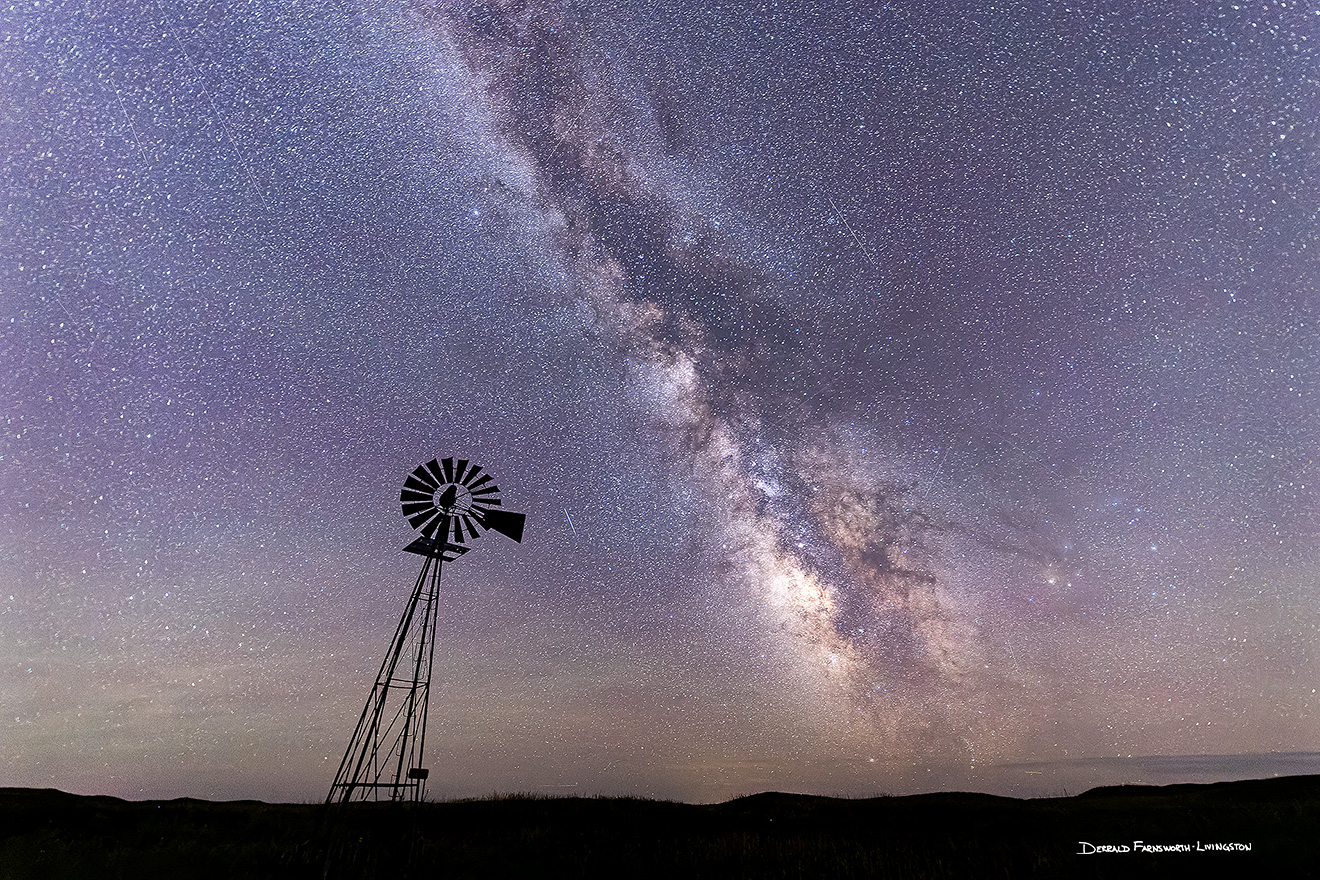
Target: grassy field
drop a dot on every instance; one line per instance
(47, 834)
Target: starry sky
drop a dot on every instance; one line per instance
(902, 396)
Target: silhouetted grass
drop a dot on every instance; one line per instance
(46, 835)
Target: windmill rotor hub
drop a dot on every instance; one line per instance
(453, 498)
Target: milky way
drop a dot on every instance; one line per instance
(900, 397)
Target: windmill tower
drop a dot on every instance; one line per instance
(450, 503)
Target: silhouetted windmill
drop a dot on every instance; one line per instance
(449, 503)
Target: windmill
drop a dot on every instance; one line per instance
(449, 503)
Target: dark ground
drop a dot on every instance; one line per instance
(48, 834)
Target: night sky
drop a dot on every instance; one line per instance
(902, 396)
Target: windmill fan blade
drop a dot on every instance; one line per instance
(459, 468)
(422, 475)
(449, 469)
(437, 528)
(411, 509)
(471, 524)
(471, 475)
(434, 467)
(408, 495)
(417, 519)
(417, 484)
(487, 490)
(505, 522)
(486, 479)
(486, 502)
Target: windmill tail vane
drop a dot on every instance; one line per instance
(450, 503)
